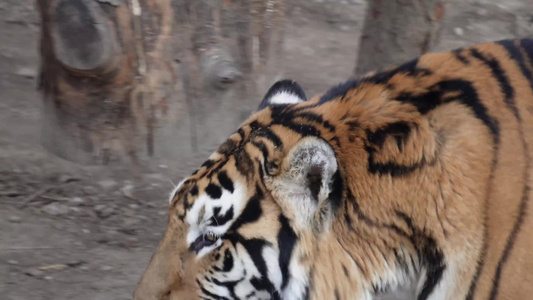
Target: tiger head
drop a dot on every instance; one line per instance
(384, 183)
(272, 214)
(235, 225)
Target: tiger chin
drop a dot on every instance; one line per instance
(411, 183)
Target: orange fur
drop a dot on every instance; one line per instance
(436, 185)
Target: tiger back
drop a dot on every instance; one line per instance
(414, 182)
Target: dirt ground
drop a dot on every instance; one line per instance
(74, 232)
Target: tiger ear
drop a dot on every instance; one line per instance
(309, 186)
(283, 92)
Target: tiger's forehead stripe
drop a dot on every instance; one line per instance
(214, 175)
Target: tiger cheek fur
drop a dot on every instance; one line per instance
(411, 183)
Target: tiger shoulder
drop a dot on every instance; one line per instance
(411, 183)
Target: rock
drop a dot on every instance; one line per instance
(458, 31)
(112, 232)
(12, 194)
(502, 6)
(14, 219)
(55, 209)
(77, 200)
(34, 273)
(308, 51)
(128, 231)
(75, 263)
(59, 227)
(27, 72)
(134, 206)
(104, 211)
(102, 240)
(99, 207)
(55, 267)
(67, 178)
(128, 212)
(143, 218)
(75, 209)
(150, 204)
(127, 190)
(86, 231)
(154, 176)
(89, 190)
(106, 268)
(90, 213)
(107, 183)
(48, 277)
(13, 262)
(345, 28)
(482, 12)
(112, 2)
(130, 222)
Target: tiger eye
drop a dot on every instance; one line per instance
(210, 237)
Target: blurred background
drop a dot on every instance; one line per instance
(106, 104)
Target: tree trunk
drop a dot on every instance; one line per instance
(226, 50)
(398, 30)
(105, 75)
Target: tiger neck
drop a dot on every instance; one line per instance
(349, 263)
(329, 270)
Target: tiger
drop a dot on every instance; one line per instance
(411, 183)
